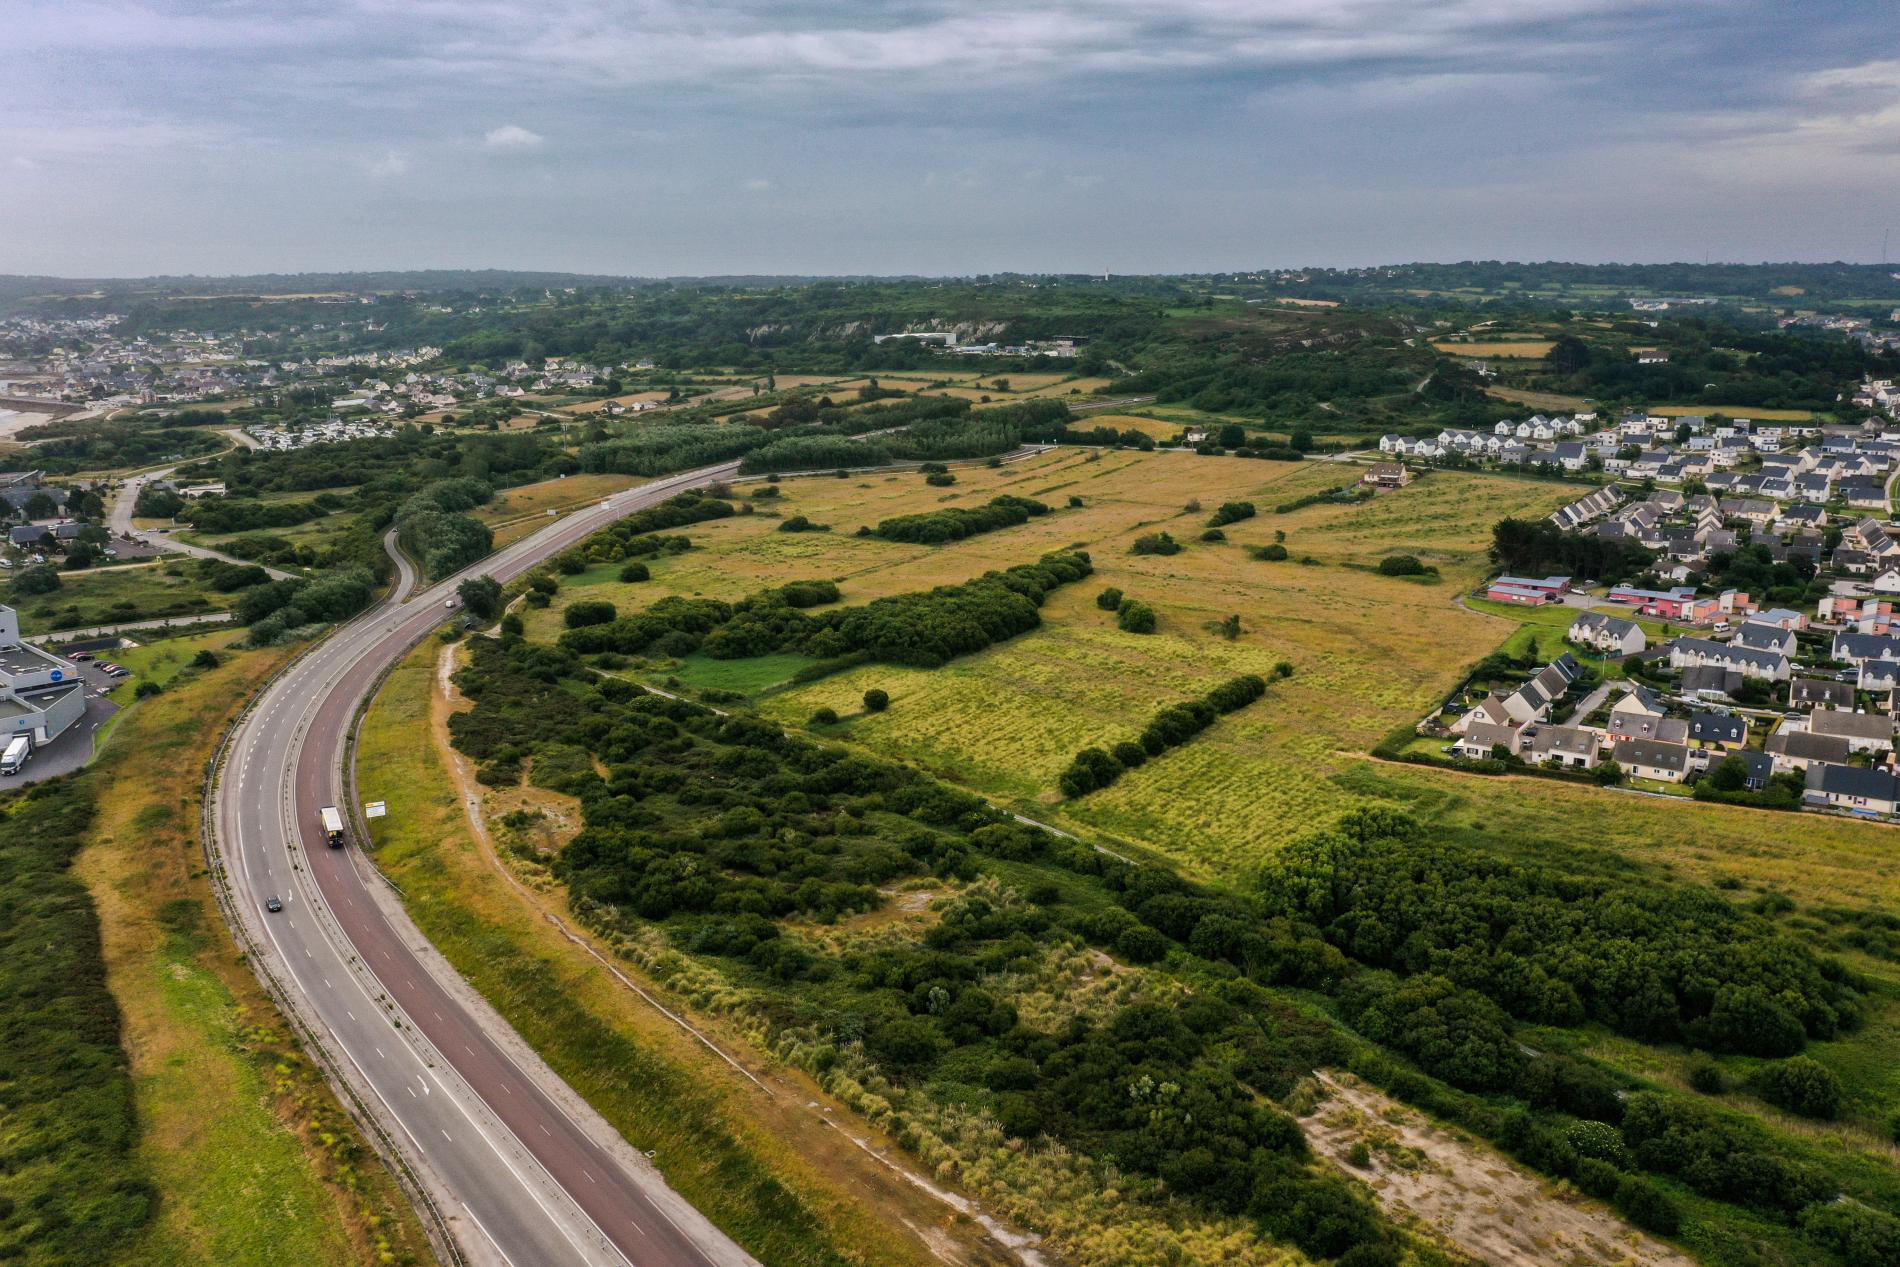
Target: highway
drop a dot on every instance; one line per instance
(520, 1170)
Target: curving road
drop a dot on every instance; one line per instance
(520, 1170)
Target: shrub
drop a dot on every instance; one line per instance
(876, 700)
(1706, 1076)
(591, 612)
(634, 572)
(1109, 599)
(1135, 617)
(1401, 565)
(767, 492)
(1155, 543)
(1075, 500)
(940, 479)
(1598, 1178)
(1283, 669)
(1231, 513)
(1647, 1206)
(205, 659)
(1275, 553)
(1863, 1237)
(145, 690)
(798, 523)
(825, 717)
(1213, 534)
(1800, 1085)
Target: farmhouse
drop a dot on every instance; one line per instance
(1845, 787)
(1609, 635)
(1387, 475)
(1653, 759)
(1864, 732)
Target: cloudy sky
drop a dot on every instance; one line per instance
(939, 136)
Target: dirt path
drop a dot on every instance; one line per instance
(781, 1100)
(1467, 1194)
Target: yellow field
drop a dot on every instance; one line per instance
(595, 406)
(1159, 428)
(519, 511)
(1735, 411)
(1522, 348)
(1369, 650)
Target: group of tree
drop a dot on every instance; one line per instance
(957, 522)
(1173, 726)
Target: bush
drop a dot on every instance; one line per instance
(825, 717)
(1109, 599)
(1155, 543)
(43, 579)
(1401, 565)
(1275, 553)
(205, 659)
(1647, 1206)
(1213, 535)
(1135, 617)
(1706, 1076)
(1863, 1237)
(1802, 1086)
(1075, 500)
(1597, 1178)
(635, 572)
(940, 479)
(145, 690)
(798, 523)
(876, 700)
(1231, 513)
(1283, 669)
(591, 612)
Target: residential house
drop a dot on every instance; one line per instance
(1387, 475)
(1851, 788)
(1759, 636)
(1719, 731)
(1679, 603)
(1864, 732)
(1807, 692)
(1711, 682)
(1799, 749)
(1607, 634)
(1687, 652)
(1481, 739)
(1859, 648)
(1573, 747)
(1653, 759)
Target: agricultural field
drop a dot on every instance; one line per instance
(1369, 651)
(1756, 412)
(1504, 349)
(1540, 400)
(1159, 428)
(105, 596)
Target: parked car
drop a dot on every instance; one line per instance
(80, 657)
(116, 671)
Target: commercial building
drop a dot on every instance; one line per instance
(40, 693)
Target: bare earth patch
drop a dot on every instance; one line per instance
(1466, 1194)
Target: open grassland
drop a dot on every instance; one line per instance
(254, 1161)
(776, 1177)
(1369, 651)
(1540, 400)
(105, 596)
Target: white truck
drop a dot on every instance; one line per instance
(19, 748)
(332, 826)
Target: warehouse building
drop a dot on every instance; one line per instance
(40, 694)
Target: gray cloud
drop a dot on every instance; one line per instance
(931, 135)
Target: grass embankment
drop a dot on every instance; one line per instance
(253, 1159)
(790, 1190)
(107, 596)
(514, 513)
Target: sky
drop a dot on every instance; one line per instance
(667, 138)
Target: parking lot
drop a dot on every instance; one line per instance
(72, 750)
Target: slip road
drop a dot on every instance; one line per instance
(520, 1173)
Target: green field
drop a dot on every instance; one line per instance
(108, 596)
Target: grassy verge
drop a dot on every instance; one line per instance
(253, 1159)
(754, 1164)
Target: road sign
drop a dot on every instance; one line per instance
(375, 809)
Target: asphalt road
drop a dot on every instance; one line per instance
(522, 1172)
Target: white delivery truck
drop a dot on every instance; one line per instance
(19, 748)
(332, 826)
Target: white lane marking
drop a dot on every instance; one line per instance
(490, 1235)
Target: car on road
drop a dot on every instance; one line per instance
(273, 904)
(449, 603)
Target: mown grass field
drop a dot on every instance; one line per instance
(254, 1161)
(105, 596)
(1735, 411)
(1156, 427)
(1507, 349)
